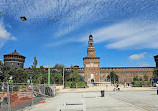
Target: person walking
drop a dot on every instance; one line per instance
(157, 87)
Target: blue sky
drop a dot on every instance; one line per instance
(131, 40)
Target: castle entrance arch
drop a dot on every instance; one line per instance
(92, 78)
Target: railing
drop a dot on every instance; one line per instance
(16, 96)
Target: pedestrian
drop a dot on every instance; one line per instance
(157, 87)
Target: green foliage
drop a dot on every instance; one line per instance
(145, 78)
(40, 75)
(57, 78)
(140, 79)
(35, 62)
(59, 66)
(141, 83)
(155, 73)
(113, 77)
(136, 78)
(19, 75)
(71, 84)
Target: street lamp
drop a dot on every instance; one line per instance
(23, 18)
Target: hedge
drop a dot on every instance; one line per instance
(73, 85)
(141, 83)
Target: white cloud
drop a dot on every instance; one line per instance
(4, 35)
(60, 42)
(127, 35)
(137, 56)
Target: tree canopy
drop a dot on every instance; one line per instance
(113, 77)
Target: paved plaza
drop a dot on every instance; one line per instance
(113, 101)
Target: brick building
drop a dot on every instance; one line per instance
(91, 63)
(93, 73)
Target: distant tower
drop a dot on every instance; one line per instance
(156, 60)
(91, 63)
(14, 60)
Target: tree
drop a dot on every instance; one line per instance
(113, 77)
(140, 79)
(35, 62)
(57, 78)
(145, 77)
(155, 73)
(135, 78)
(57, 74)
(59, 66)
(76, 77)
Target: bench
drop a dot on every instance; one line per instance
(72, 105)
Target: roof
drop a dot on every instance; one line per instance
(15, 53)
(156, 55)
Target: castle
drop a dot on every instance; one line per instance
(91, 71)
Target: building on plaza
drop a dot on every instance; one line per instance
(14, 60)
(93, 73)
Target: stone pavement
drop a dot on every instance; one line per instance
(113, 101)
(109, 88)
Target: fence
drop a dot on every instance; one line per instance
(17, 96)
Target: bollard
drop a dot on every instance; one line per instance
(102, 93)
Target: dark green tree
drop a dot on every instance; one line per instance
(145, 77)
(35, 62)
(155, 73)
(113, 77)
(140, 79)
(76, 77)
(135, 78)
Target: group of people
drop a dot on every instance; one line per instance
(117, 87)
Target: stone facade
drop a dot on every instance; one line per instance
(14, 60)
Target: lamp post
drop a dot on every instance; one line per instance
(63, 77)
(49, 73)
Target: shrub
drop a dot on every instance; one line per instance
(71, 84)
(140, 83)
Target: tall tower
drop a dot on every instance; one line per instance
(14, 60)
(91, 63)
(156, 60)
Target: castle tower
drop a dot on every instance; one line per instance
(91, 63)
(156, 60)
(14, 60)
